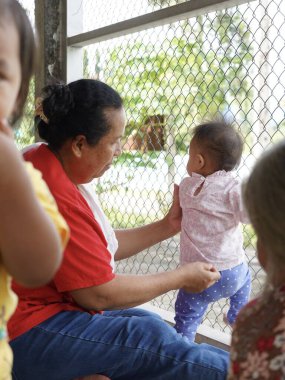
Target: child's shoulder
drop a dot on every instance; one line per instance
(232, 183)
(185, 181)
(189, 182)
(225, 181)
(10, 157)
(7, 144)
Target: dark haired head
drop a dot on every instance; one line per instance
(78, 108)
(222, 143)
(11, 10)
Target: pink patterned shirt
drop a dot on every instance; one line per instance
(211, 230)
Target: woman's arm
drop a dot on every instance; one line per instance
(126, 291)
(132, 241)
(30, 247)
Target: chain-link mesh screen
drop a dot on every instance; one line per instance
(100, 13)
(24, 133)
(172, 77)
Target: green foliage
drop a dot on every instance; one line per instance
(187, 76)
(86, 73)
(278, 132)
(163, 3)
(135, 159)
(25, 132)
(249, 236)
(122, 220)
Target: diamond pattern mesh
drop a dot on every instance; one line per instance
(171, 78)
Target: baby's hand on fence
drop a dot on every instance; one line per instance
(199, 276)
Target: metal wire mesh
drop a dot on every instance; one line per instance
(100, 13)
(171, 77)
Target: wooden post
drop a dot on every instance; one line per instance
(50, 19)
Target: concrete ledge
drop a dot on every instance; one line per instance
(205, 334)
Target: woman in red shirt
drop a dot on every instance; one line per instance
(60, 331)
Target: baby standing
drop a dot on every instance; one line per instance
(212, 209)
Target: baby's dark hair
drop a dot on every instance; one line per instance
(12, 10)
(77, 108)
(221, 142)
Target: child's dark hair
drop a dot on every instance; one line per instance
(221, 141)
(11, 9)
(77, 108)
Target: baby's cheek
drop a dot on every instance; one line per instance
(7, 102)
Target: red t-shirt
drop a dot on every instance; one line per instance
(86, 260)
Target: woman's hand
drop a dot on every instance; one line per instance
(174, 215)
(125, 291)
(134, 240)
(199, 276)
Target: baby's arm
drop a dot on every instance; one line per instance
(30, 246)
(237, 204)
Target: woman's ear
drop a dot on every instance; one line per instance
(77, 145)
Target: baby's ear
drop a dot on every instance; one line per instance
(200, 161)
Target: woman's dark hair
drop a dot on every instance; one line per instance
(27, 48)
(221, 141)
(77, 108)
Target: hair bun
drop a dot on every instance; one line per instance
(58, 102)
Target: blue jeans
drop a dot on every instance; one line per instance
(125, 344)
(235, 284)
